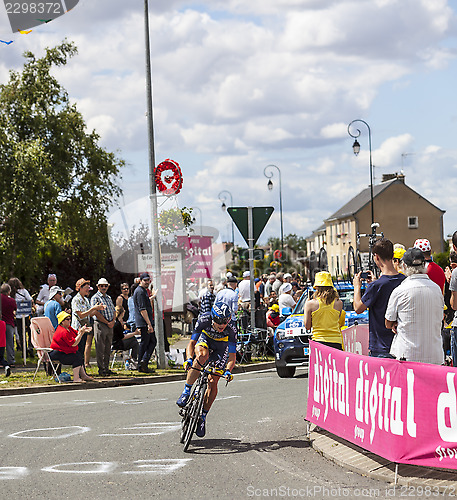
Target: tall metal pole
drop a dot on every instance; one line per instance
(222, 198)
(156, 262)
(269, 175)
(356, 148)
(251, 264)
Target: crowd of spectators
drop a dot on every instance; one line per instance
(86, 315)
(409, 281)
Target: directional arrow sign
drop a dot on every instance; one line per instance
(260, 215)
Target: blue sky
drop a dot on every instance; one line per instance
(240, 85)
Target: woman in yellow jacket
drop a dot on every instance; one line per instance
(324, 312)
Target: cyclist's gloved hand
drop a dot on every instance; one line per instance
(228, 375)
(188, 364)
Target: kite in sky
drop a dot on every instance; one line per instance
(27, 14)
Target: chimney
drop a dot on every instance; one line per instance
(388, 177)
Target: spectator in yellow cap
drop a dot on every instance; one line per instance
(64, 346)
(324, 312)
(398, 254)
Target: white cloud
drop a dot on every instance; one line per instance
(238, 85)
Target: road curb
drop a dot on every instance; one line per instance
(356, 459)
(113, 382)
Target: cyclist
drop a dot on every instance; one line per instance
(213, 338)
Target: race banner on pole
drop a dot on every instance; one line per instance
(403, 411)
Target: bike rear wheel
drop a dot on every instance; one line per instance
(195, 410)
(373, 267)
(354, 263)
(322, 261)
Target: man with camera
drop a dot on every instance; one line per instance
(376, 297)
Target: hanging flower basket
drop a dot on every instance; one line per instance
(175, 219)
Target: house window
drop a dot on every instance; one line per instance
(413, 222)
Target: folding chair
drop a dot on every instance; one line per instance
(123, 354)
(259, 340)
(42, 332)
(244, 347)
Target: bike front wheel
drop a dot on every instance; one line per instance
(195, 410)
(185, 413)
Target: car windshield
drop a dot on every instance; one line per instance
(347, 296)
(300, 307)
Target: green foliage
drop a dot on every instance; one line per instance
(175, 219)
(291, 241)
(56, 181)
(442, 259)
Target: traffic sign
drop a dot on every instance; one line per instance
(260, 216)
(259, 254)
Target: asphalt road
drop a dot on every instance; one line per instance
(123, 443)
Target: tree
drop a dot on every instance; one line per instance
(291, 241)
(56, 181)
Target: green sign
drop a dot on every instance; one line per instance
(260, 217)
(259, 254)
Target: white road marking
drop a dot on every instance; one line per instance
(156, 428)
(13, 472)
(130, 402)
(160, 466)
(227, 397)
(17, 404)
(253, 379)
(100, 468)
(74, 431)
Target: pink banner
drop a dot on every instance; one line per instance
(355, 339)
(403, 411)
(199, 255)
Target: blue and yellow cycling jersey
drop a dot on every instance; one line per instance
(204, 326)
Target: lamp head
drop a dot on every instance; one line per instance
(270, 185)
(224, 206)
(356, 147)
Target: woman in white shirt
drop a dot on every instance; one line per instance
(285, 297)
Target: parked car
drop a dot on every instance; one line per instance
(291, 339)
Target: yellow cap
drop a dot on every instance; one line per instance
(323, 279)
(398, 253)
(275, 307)
(62, 315)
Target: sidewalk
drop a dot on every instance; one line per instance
(408, 479)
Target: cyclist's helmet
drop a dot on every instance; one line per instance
(220, 312)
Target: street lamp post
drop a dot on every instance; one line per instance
(156, 264)
(269, 175)
(356, 149)
(222, 197)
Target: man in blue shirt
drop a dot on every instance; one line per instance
(229, 296)
(144, 321)
(376, 297)
(52, 307)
